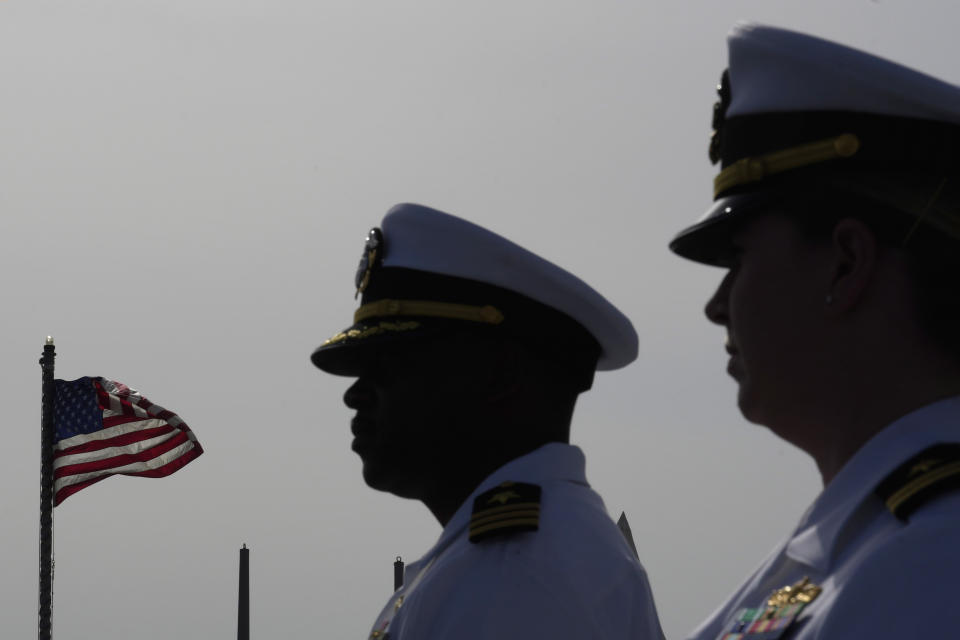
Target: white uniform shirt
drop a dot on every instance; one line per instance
(576, 577)
(881, 577)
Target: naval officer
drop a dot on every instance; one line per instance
(469, 353)
(837, 219)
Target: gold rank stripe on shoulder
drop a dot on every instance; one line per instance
(520, 513)
(926, 475)
(510, 507)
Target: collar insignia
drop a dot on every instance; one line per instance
(503, 497)
(372, 256)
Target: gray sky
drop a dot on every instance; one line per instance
(185, 187)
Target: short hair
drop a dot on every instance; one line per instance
(932, 257)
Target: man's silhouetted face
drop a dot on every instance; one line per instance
(416, 405)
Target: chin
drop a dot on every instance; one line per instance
(374, 475)
(751, 410)
(381, 477)
(785, 421)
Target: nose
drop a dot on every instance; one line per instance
(359, 395)
(716, 308)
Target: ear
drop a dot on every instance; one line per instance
(855, 252)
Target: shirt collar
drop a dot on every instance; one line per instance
(813, 543)
(550, 463)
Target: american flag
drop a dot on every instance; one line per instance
(103, 428)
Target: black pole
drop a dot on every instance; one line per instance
(44, 623)
(243, 601)
(397, 573)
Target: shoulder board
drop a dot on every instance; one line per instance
(510, 507)
(921, 478)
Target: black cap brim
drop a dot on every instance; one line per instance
(709, 239)
(348, 352)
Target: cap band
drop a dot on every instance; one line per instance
(485, 314)
(747, 170)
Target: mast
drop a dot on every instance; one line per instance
(45, 614)
(243, 600)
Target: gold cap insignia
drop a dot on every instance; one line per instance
(372, 256)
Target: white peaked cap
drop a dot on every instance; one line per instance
(773, 69)
(417, 237)
(800, 115)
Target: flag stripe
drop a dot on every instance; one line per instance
(105, 434)
(125, 457)
(66, 491)
(170, 466)
(110, 421)
(62, 494)
(144, 468)
(136, 442)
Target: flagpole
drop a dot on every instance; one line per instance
(44, 625)
(243, 601)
